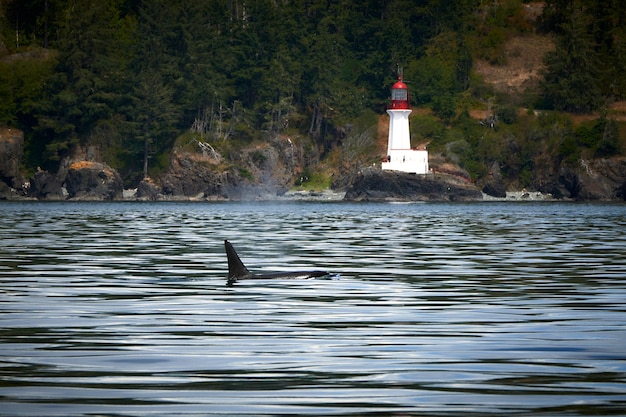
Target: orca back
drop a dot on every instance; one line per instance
(237, 270)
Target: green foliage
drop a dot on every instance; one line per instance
(245, 173)
(359, 146)
(600, 136)
(21, 87)
(588, 136)
(130, 76)
(588, 64)
(313, 180)
(556, 132)
(426, 128)
(507, 114)
(492, 46)
(303, 178)
(569, 150)
(258, 158)
(495, 22)
(444, 106)
(526, 146)
(610, 144)
(153, 115)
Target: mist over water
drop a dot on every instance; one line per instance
(431, 309)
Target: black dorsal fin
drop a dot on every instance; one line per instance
(236, 268)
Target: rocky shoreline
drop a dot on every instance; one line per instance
(290, 195)
(524, 196)
(377, 185)
(91, 181)
(191, 177)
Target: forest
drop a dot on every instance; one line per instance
(132, 76)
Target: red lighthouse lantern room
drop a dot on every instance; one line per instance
(400, 96)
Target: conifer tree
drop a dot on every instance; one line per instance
(571, 78)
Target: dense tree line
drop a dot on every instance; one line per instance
(588, 66)
(131, 75)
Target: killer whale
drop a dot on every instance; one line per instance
(238, 271)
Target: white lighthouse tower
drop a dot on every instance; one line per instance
(400, 156)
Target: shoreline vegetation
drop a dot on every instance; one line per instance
(215, 100)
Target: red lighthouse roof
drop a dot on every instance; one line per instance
(400, 99)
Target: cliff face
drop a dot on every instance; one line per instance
(191, 175)
(598, 179)
(86, 180)
(11, 151)
(258, 171)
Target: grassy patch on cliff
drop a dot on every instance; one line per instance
(313, 180)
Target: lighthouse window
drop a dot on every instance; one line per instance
(398, 94)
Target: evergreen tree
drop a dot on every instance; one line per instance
(89, 79)
(207, 63)
(571, 78)
(608, 29)
(154, 118)
(155, 115)
(589, 64)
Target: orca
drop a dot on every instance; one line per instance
(238, 271)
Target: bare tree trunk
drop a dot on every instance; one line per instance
(316, 121)
(145, 158)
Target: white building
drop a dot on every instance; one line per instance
(400, 156)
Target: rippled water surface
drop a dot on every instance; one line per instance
(432, 309)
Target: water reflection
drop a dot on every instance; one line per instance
(457, 309)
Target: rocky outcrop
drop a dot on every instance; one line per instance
(257, 172)
(495, 189)
(192, 176)
(378, 185)
(495, 185)
(87, 180)
(148, 190)
(11, 150)
(602, 179)
(47, 186)
(590, 180)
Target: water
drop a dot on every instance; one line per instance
(433, 309)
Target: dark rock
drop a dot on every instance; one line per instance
(621, 191)
(256, 173)
(87, 180)
(46, 186)
(600, 179)
(568, 183)
(189, 176)
(495, 186)
(5, 191)
(610, 177)
(495, 189)
(377, 185)
(148, 190)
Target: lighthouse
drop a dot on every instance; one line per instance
(400, 156)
